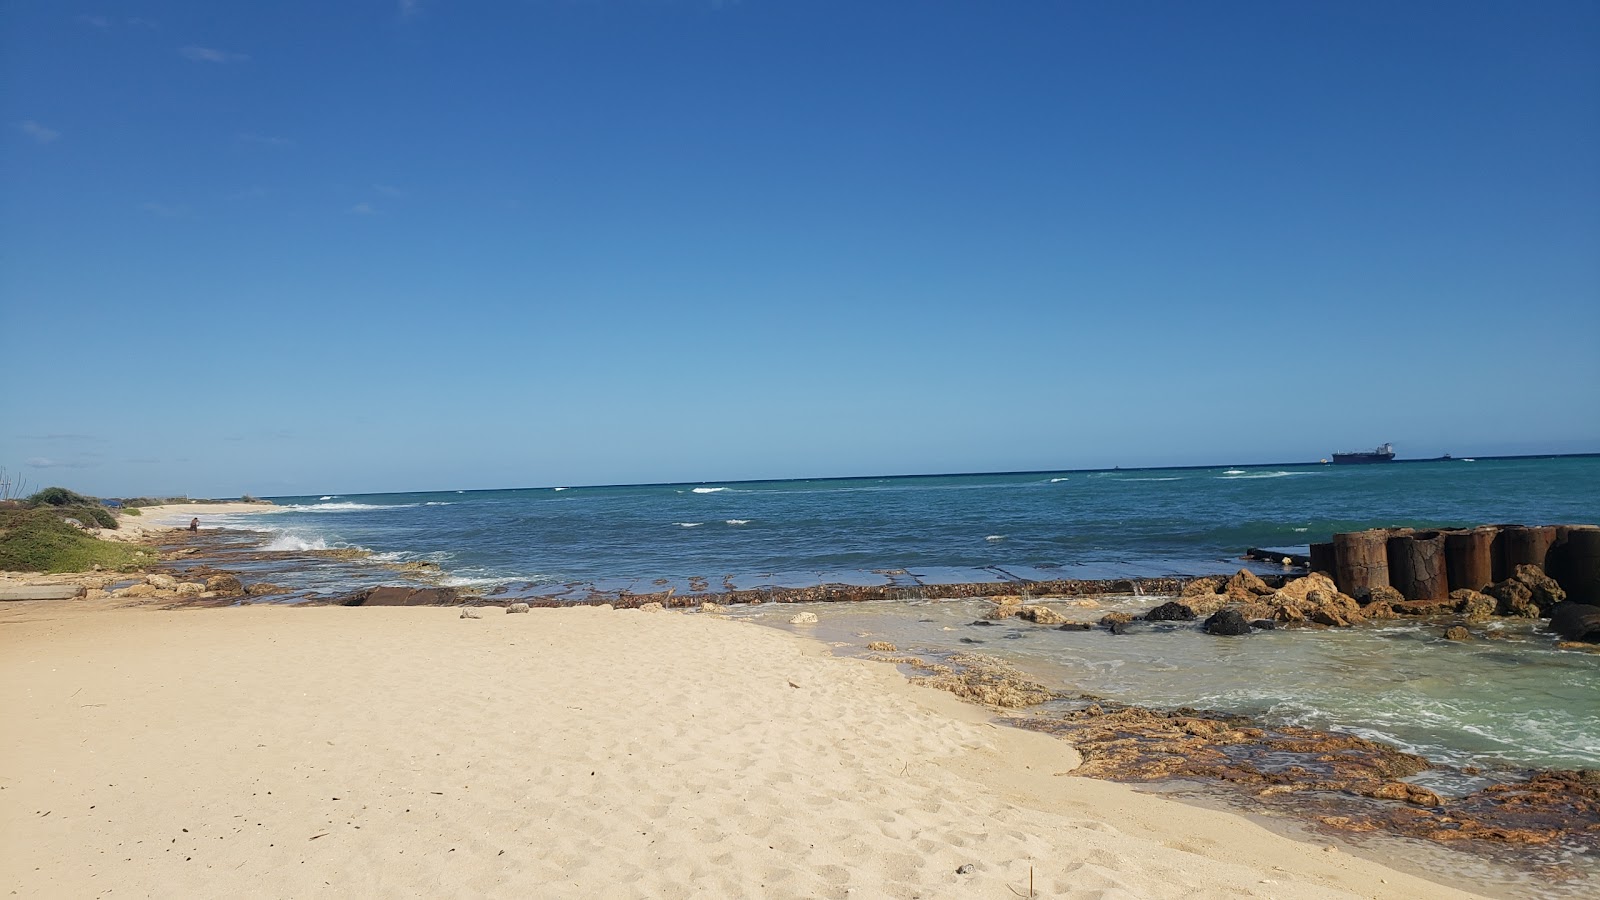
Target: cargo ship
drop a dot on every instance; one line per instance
(1381, 455)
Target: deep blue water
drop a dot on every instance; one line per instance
(1091, 524)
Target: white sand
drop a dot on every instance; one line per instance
(174, 515)
(277, 752)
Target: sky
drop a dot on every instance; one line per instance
(308, 247)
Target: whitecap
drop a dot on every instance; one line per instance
(293, 542)
(738, 522)
(327, 496)
(1234, 472)
(995, 537)
(558, 489)
(688, 524)
(1297, 530)
(1057, 480)
(437, 503)
(1262, 475)
(708, 490)
(346, 506)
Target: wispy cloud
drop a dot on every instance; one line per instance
(164, 210)
(410, 9)
(94, 21)
(44, 134)
(363, 209)
(45, 462)
(207, 54)
(264, 140)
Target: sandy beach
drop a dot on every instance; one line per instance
(270, 751)
(153, 519)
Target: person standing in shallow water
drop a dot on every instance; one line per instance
(194, 524)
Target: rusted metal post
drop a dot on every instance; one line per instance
(1526, 545)
(1469, 558)
(1361, 562)
(1417, 566)
(1322, 558)
(1575, 562)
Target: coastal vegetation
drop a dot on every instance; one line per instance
(42, 540)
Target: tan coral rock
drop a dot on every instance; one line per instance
(1001, 611)
(190, 589)
(652, 606)
(223, 583)
(1041, 615)
(1210, 584)
(804, 618)
(160, 581)
(1006, 600)
(882, 647)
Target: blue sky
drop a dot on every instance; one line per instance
(308, 247)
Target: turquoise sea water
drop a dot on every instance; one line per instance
(1072, 524)
(1512, 702)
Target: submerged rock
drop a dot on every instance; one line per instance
(1041, 615)
(1457, 633)
(1576, 621)
(1172, 611)
(1227, 622)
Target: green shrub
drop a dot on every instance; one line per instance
(60, 496)
(97, 516)
(37, 540)
(131, 511)
(153, 501)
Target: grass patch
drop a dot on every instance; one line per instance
(37, 540)
(131, 511)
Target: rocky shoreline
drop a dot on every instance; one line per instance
(1334, 782)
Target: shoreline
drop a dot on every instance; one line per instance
(855, 777)
(1306, 828)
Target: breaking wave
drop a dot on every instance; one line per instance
(294, 543)
(1057, 480)
(738, 522)
(688, 524)
(707, 490)
(345, 506)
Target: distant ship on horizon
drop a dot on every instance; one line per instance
(1383, 454)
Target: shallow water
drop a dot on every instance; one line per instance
(1512, 701)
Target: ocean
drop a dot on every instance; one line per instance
(1512, 702)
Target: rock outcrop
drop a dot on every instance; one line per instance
(224, 584)
(402, 596)
(1171, 611)
(1227, 622)
(1041, 615)
(1474, 606)
(1576, 621)
(1529, 593)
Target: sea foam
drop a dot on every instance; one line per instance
(708, 490)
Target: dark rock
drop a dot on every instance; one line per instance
(1227, 622)
(1170, 612)
(1124, 587)
(1576, 621)
(261, 588)
(983, 623)
(1119, 627)
(403, 596)
(971, 641)
(1385, 595)
(1085, 626)
(1513, 598)
(225, 584)
(967, 869)
(1264, 625)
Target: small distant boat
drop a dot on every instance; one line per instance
(1382, 454)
